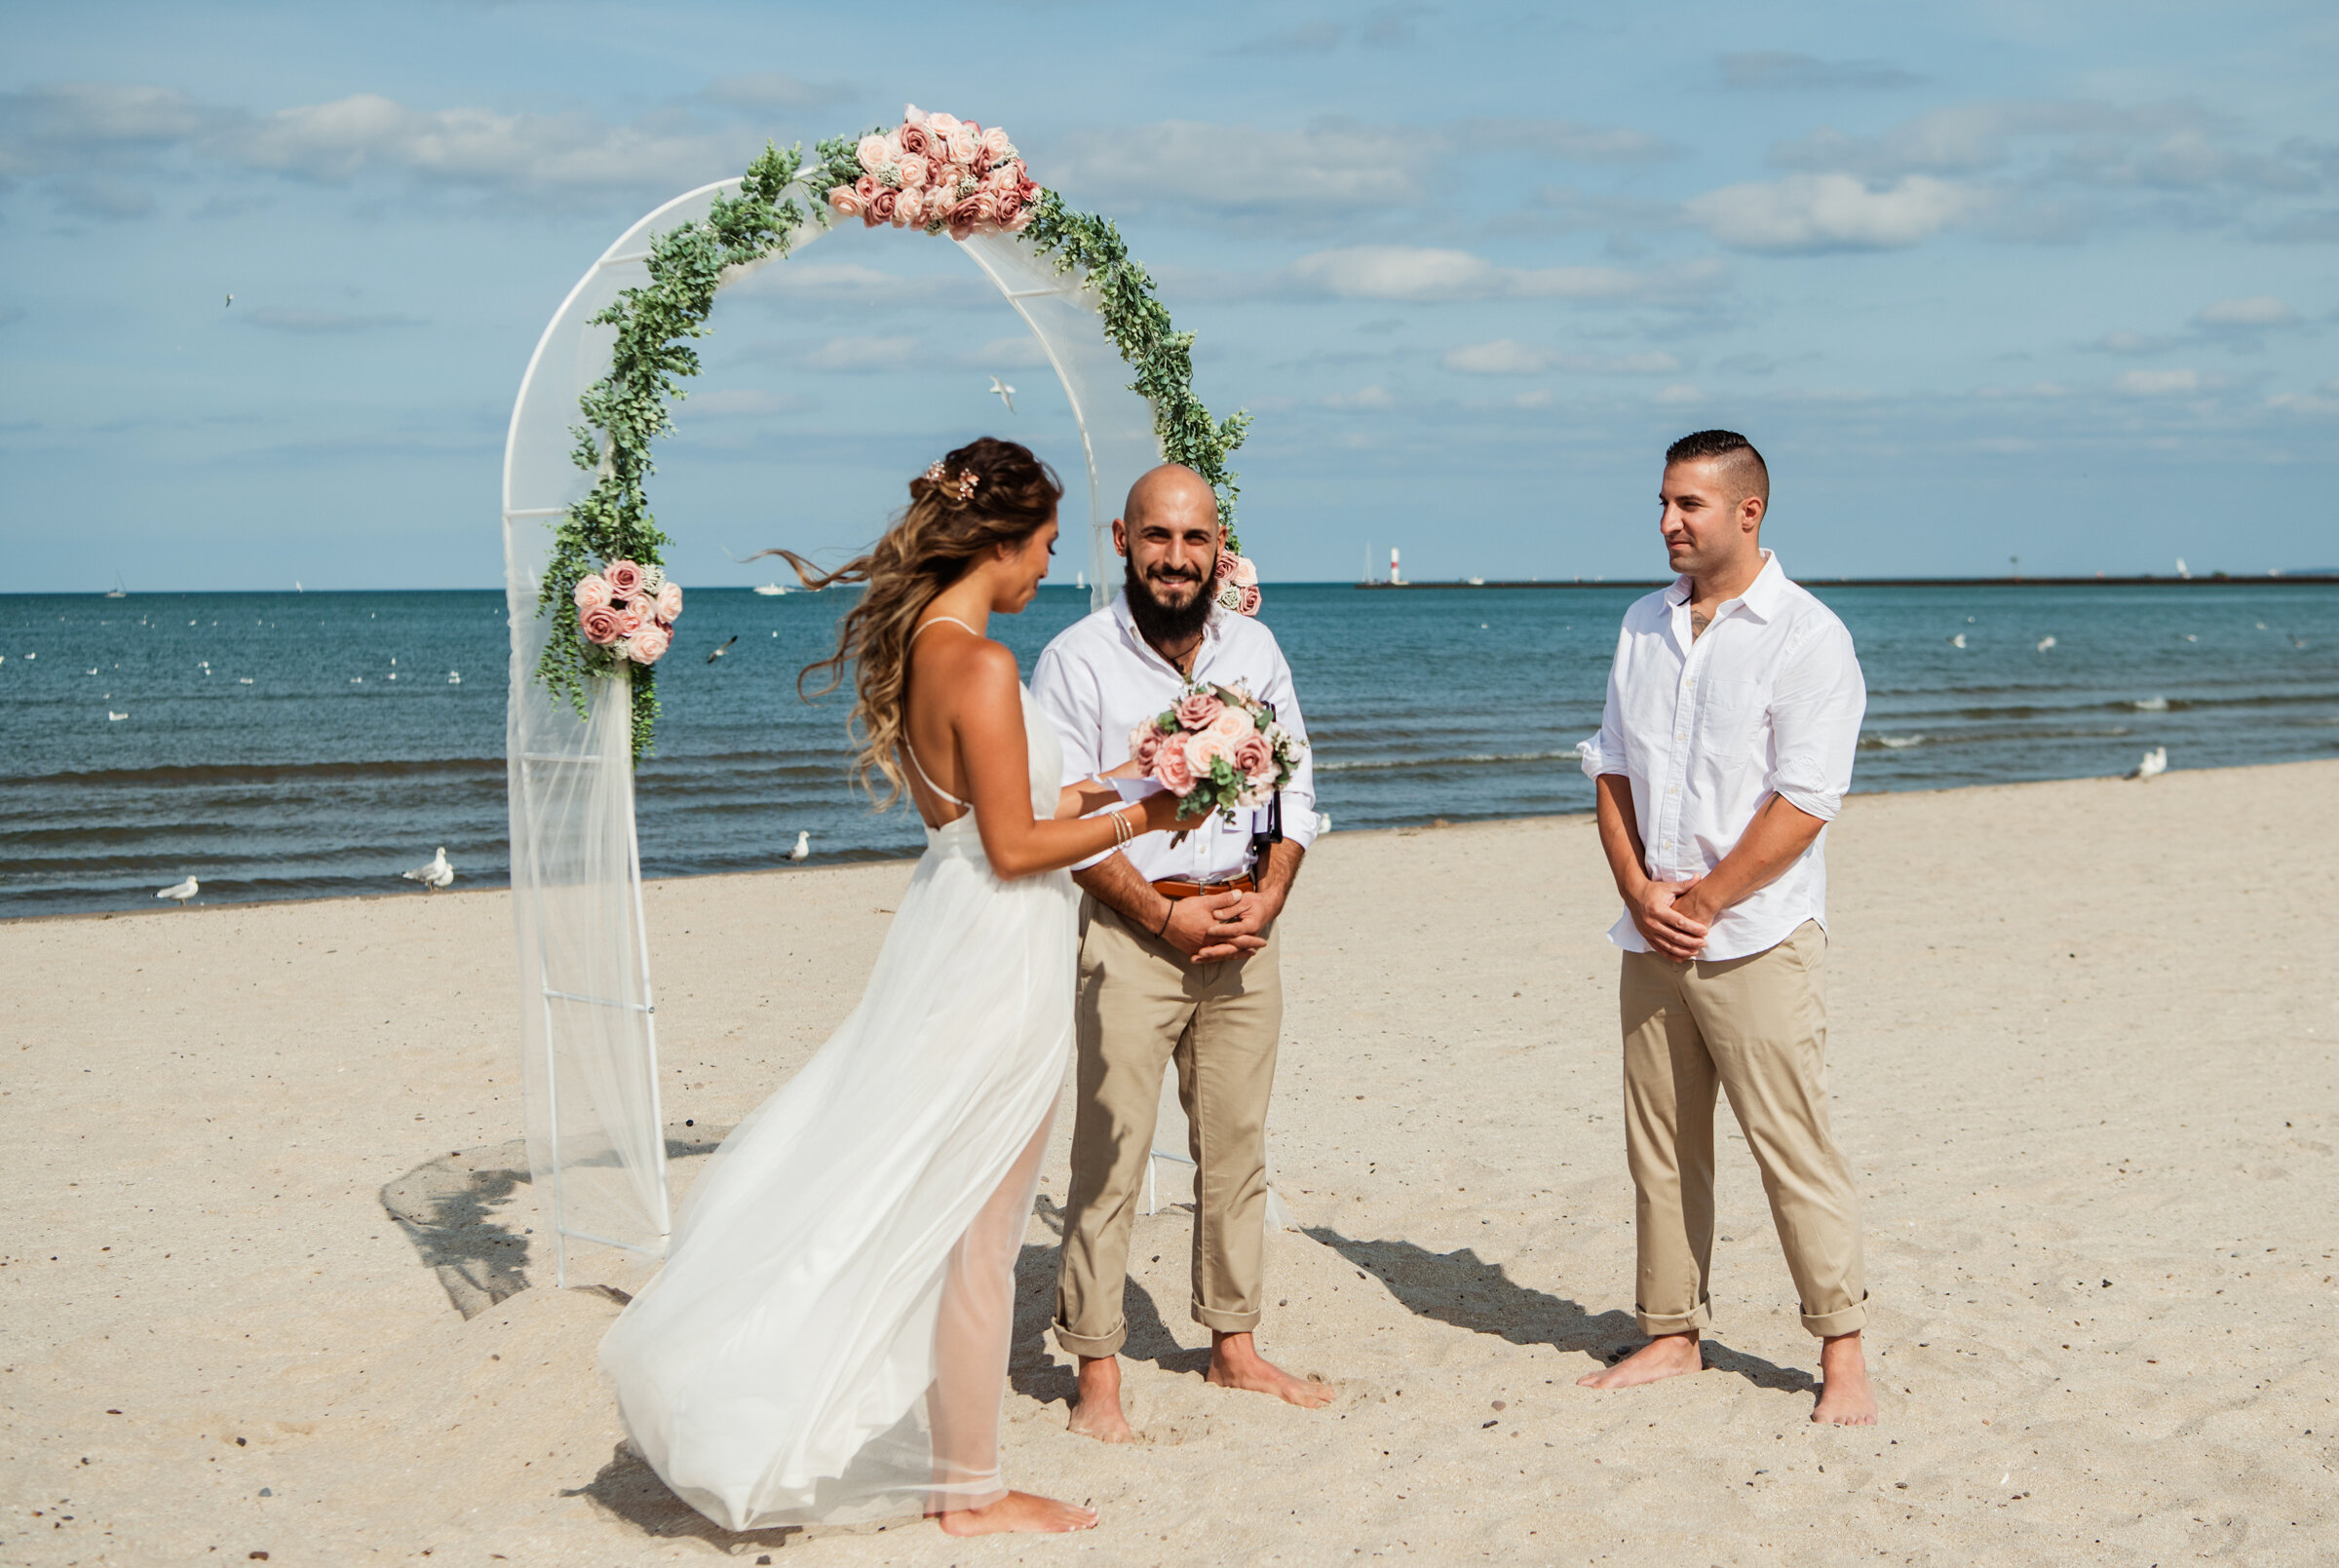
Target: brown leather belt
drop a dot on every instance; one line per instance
(1175, 889)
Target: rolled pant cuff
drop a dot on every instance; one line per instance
(1225, 1322)
(1096, 1346)
(1843, 1320)
(1695, 1320)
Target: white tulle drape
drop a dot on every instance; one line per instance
(595, 1136)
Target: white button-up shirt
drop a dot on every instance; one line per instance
(1767, 702)
(1098, 678)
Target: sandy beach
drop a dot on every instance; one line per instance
(269, 1285)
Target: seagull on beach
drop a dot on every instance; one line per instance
(1004, 393)
(2155, 763)
(437, 874)
(726, 645)
(803, 849)
(181, 891)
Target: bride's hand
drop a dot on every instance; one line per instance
(1126, 770)
(1160, 812)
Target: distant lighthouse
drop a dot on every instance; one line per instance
(1395, 576)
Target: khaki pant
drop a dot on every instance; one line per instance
(1142, 1006)
(1757, 1028)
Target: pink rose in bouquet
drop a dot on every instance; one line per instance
(913, 170)
(623, 577)
(909, 207)
(995, 144)
(1254, 759)
(964, 143)
(1205, 748)
(845, 200)
(600, 625)
(1246, 573)
(1232, 725)
(999, 181)
(1195, 708)
(872, 154)
(593, 591)
(881, 208)
(630, 618)
(965, 216)
(646, 643)
(1006, 209)
(940, 125)
(1144, 743)
(670, 601)
(913, 140)
(1170, 768)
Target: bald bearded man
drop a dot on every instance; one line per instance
(1177, 959)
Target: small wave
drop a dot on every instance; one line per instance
(1895, 742)
(1471, 759)
(2150, 705)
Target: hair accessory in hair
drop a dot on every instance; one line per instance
(962, 487)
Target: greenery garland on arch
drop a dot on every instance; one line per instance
(629, 407)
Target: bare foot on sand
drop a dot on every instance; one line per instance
(1845, 1397)
(1666, 1355)
(1017, 1514)
(1236, 1363)
(1096, 1411)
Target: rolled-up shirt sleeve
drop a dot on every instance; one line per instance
(1068, 692)
(1299, 795)
(1605, 753)
(1816, 708)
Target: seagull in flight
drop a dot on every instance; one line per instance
(181, 891)
(1004, 393)
(727, 641)
(231, 299)
(437, 874)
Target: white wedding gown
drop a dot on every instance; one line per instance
(828, 1338)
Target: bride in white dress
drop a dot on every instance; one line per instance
(828, 1341)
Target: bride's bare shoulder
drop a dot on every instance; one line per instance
(952, 652)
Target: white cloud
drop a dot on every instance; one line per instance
(2259, 310)
(1374, 397)
(1022, 351)
(1540, 397)
(857, 353)
(2157, 383)
(732, 403)
(1680, 392)
(1509, 357)
(1810, 212)
(1423, 274)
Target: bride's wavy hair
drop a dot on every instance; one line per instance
(948, 525)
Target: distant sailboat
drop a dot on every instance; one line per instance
(117, 592)
(1080, 580)
(771, 591)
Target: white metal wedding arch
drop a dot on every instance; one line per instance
(595, 1132)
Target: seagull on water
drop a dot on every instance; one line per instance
(803, 849)
(2046, 643)
(181, 891)
(1004, 393)
(727, 641)
(2155, 763)
(1958, 641)
(114, 717)
(437, 874)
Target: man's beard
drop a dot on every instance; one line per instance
(1159, 624)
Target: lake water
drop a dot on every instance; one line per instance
(297, 745)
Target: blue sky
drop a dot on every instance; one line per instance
(2054, 281)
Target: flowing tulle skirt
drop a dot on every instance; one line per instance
(828, 1340)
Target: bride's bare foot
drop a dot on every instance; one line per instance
(1666, 1355)
(1096, 1411)
(1017, 1514)
(1236, 1363)
(1845, 1397)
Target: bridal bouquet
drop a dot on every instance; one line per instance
(1217, 748)
(938, 173)
(627, 611)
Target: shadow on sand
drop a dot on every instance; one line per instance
(1462, 1289)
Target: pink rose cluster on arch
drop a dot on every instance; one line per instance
(1217, 748)
(936, 172)
(1236, 583)
(629, 610)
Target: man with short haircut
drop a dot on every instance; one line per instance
(1725, 750)
(1177, 957)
